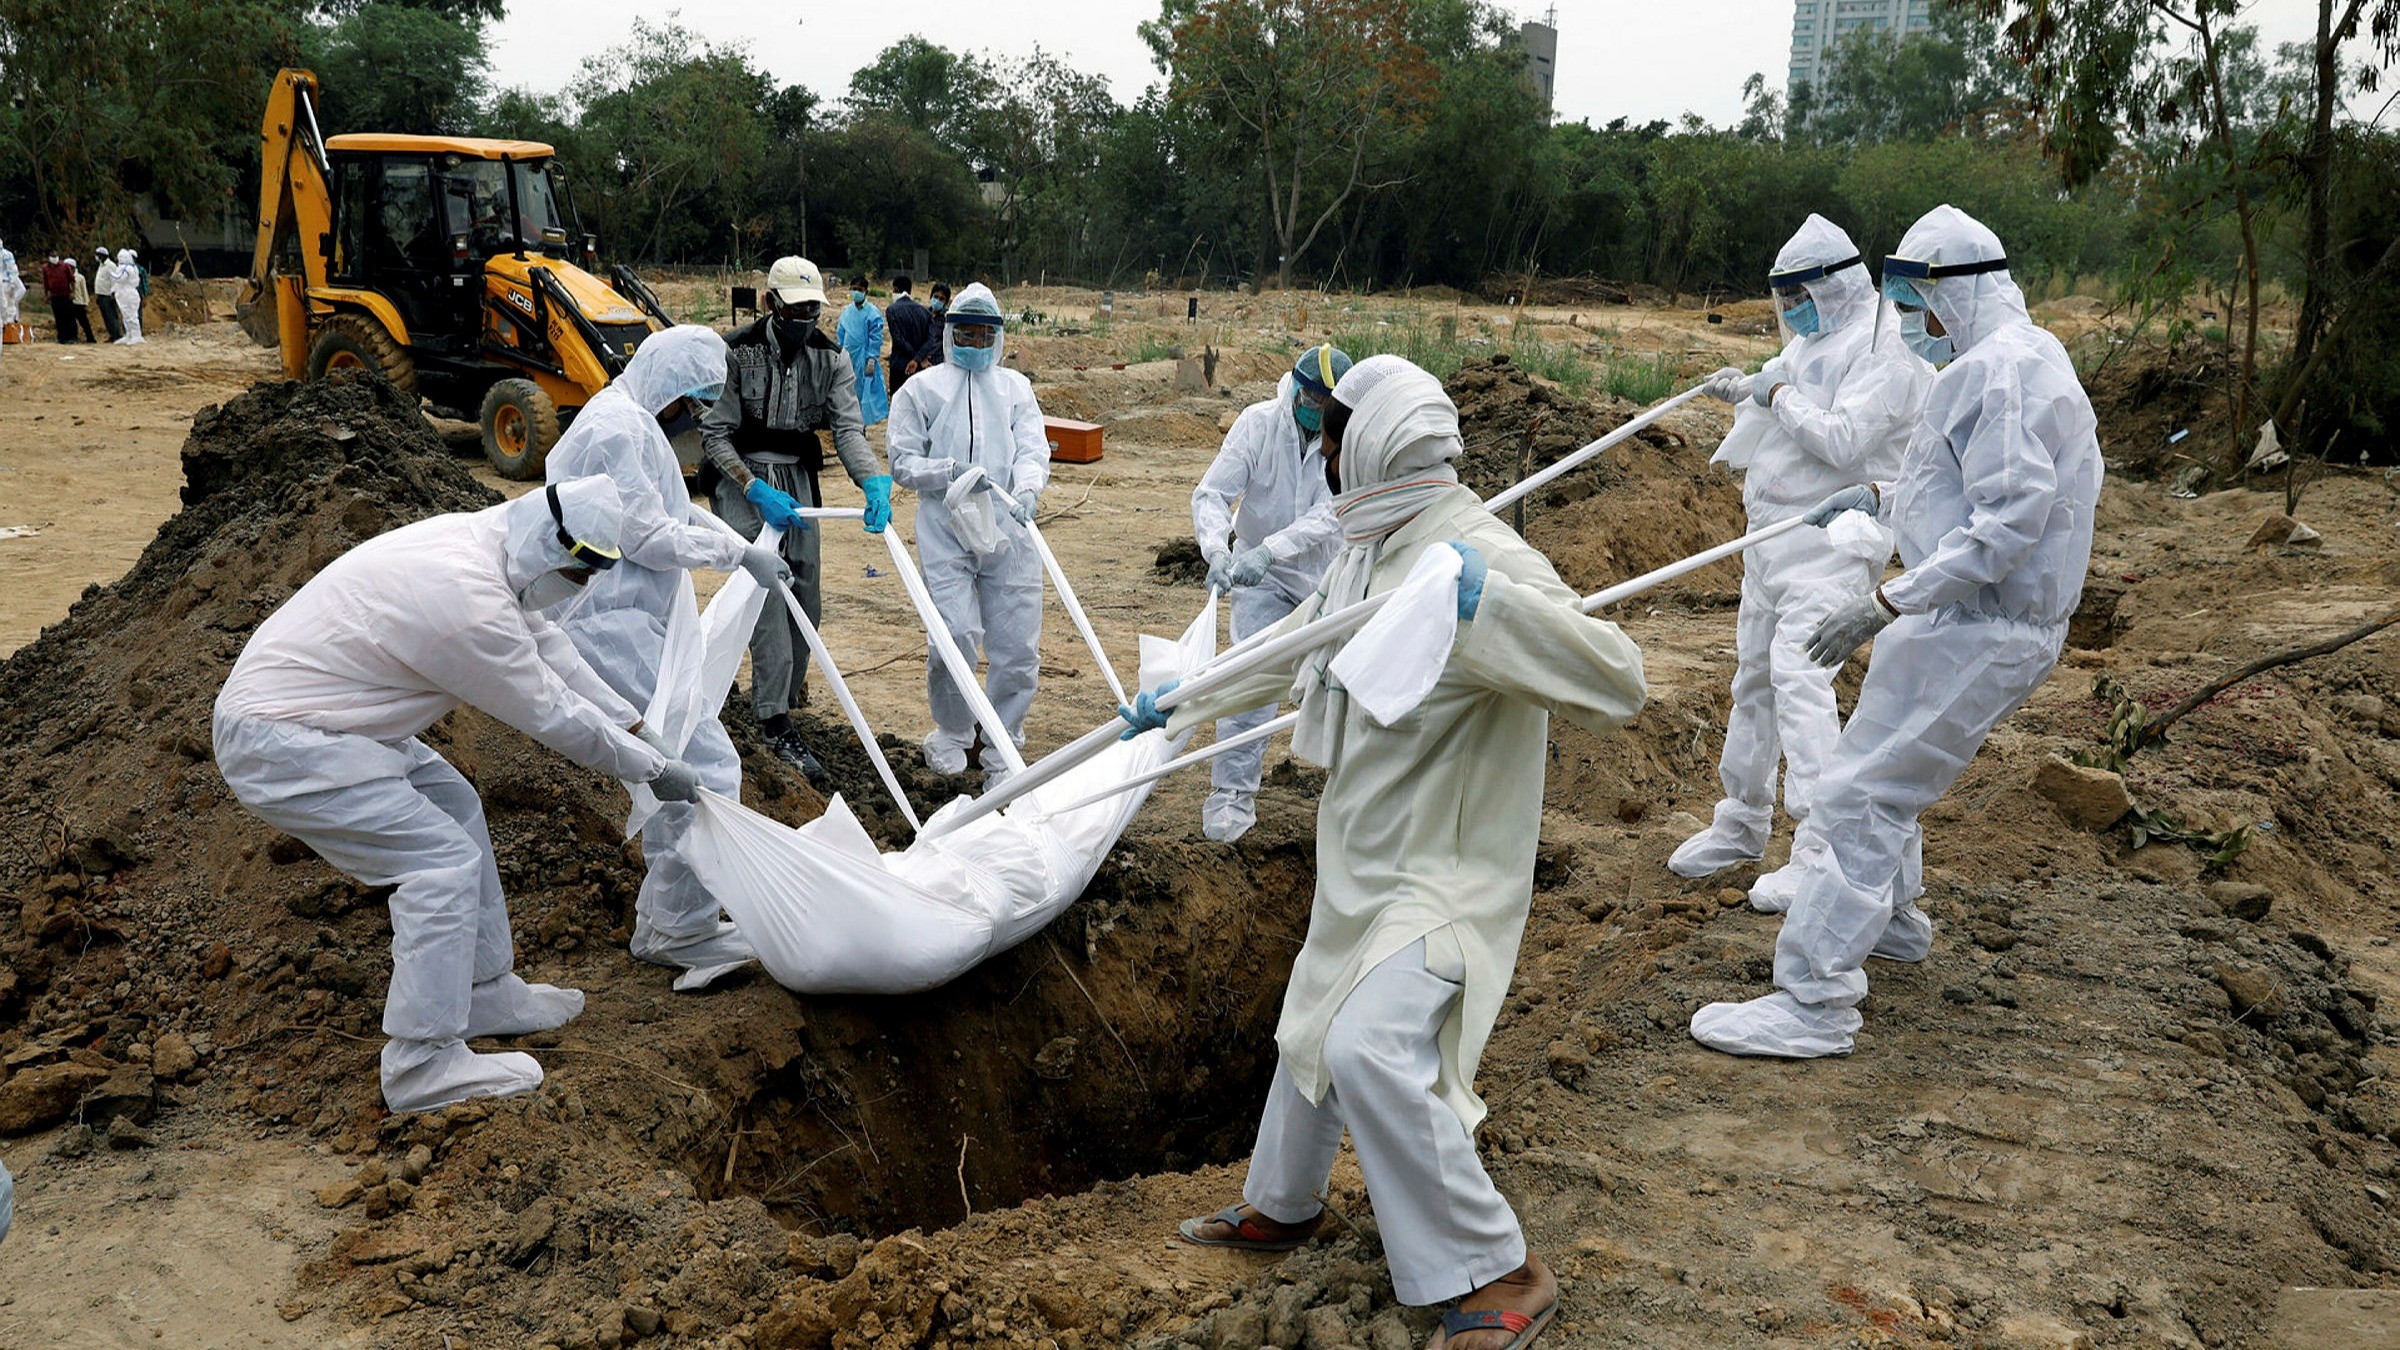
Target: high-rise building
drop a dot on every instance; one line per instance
(1539, 39)
(1818, 24)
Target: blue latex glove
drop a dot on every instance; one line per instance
(1861, 497)
(879, 502)
(775, 506)
(1028, 504)
(1470, 579)
(1145, 714)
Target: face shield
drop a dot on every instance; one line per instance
(1796, 309)
(1913, 288)
(972, 341)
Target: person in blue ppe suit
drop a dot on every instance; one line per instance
(619, 622)
(785, 382)
(1263, 514)
(970, 413)
(318, 732)
(1993, 507)
(1833, 409)
(860, 331)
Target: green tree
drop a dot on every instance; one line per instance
(925, 86)
(398, 68)
(1318, 87)
(110, 103)
(672, 131)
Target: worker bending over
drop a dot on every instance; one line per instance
(316, 732)
(1425, 849)
(1993, 508)
(619, 620)
(1264, 518)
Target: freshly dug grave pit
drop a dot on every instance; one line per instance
(161, 951)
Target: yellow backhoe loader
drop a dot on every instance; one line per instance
(449, 264)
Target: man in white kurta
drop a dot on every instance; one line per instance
(1425, 850)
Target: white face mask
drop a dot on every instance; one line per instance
(546, 590)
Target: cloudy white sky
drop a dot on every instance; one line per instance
(1616, 58)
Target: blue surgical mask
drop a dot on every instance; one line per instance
(858, 297)
(973, 358)
(1311, 420)
(1802, 318)
(937, 304)
(1938, 350)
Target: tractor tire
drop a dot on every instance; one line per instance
(357, 342)
(520, 424)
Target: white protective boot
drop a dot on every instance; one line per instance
(508, 1006)
(1737, 836)
(1228, 814)
(429, 1075)
(1777, 1025)
(1908, 938)
(946, 754)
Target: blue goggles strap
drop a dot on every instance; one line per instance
(1800, 276)
(953, 316)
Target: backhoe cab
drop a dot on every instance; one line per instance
(449, 264)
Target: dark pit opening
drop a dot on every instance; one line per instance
(1134, 1035)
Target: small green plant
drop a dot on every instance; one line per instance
(1639, 379)
(1553, 361)
(1152, 348)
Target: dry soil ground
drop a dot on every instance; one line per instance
(2127, 1102)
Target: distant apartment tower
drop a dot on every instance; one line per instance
(1539, 39)
(1818, 24)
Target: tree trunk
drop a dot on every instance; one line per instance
(2316, 165)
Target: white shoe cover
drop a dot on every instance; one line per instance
(429, 1075)
(1716, 848)
(944, 755)
(1775, 892)
(508, 1006)
(1777, 1025)
(703, 959)
(1228, 814)
(1907, 938)
(994, 776)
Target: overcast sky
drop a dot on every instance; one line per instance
(1635, 59)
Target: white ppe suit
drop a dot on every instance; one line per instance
(316, 732)
(619, 623)
(1993, 509)
(1271, 468)
(1849, 395)
(126, 279)
(1425, 846)
(12, 286)
(945, 420)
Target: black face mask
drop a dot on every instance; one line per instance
(680, 423)
(1333, 473)
(792, 332)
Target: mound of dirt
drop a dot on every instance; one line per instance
(689, 1158)
(1641, 505)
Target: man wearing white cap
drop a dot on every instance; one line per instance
(785, 381)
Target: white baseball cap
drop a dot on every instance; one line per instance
(794, 281)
